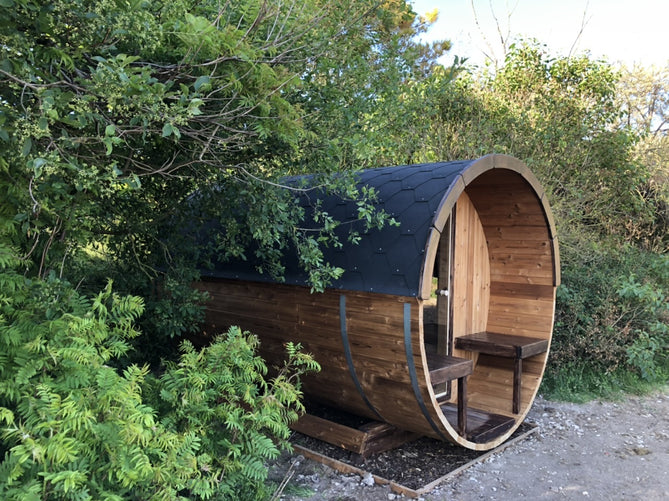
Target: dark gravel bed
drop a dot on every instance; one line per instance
(413, 465)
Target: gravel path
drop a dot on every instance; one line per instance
(598, 450)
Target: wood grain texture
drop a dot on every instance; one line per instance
(522, 276)
(471, 272)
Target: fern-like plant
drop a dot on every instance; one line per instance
(221, 393)
(76, 426)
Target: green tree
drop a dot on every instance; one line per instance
(351, 97)
(112, 114)
(559, 115)
(114, 117)
(563, 117)
(643, 94)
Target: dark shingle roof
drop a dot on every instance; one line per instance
(387, 260)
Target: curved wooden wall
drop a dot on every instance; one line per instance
(365, 343)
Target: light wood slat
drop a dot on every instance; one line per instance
(523, 290)
(471, 271)
(518, 324)
(517, 204)
(519, 318)
(333, 433)
(514, 260)
(514, 219)
(518, 278)
(521, 270)
(533, 307)
(536, 248)
(517, 233)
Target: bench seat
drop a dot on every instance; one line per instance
(508, 346)
(444, 368)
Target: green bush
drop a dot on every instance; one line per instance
(612, 318)
(220, 394)
(75, 427)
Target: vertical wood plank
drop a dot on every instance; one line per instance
(444, 283)
(471, 272)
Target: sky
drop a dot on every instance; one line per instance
(627, 31)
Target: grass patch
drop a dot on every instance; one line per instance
(579, 383)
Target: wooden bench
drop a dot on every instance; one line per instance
(445, 368)
(508, 346)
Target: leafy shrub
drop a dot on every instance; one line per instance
(612, 315)
(76, 427)
(646, 312)
(221, 395)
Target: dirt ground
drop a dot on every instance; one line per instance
(599, 450)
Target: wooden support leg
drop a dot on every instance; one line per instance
(517, 380)
(462, 406)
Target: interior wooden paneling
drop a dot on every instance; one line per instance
(520, 250)
(521, 296)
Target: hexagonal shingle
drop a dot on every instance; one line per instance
(387, 260)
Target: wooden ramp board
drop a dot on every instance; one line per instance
(398, 467)
(358, 434)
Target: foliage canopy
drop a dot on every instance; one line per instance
(112, 114)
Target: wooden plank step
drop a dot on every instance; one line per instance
(481, 426)
(444, 368)
(381, 437)
(370, 438)
(328, 431)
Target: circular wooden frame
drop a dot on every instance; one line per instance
(503, 285)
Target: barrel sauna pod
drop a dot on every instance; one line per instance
(439, 326)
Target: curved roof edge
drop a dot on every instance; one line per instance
(468, 174)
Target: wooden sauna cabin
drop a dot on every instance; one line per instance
(439, 326)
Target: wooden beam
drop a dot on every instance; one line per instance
(371, 438)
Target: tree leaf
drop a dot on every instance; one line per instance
(203, 80)
(27, 146)
(108, 144)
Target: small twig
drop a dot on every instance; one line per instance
(584, 22)
(49, 242)
(33, 247)
(62, 263)
(277, 185)
(32, 197)
(286, 478)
